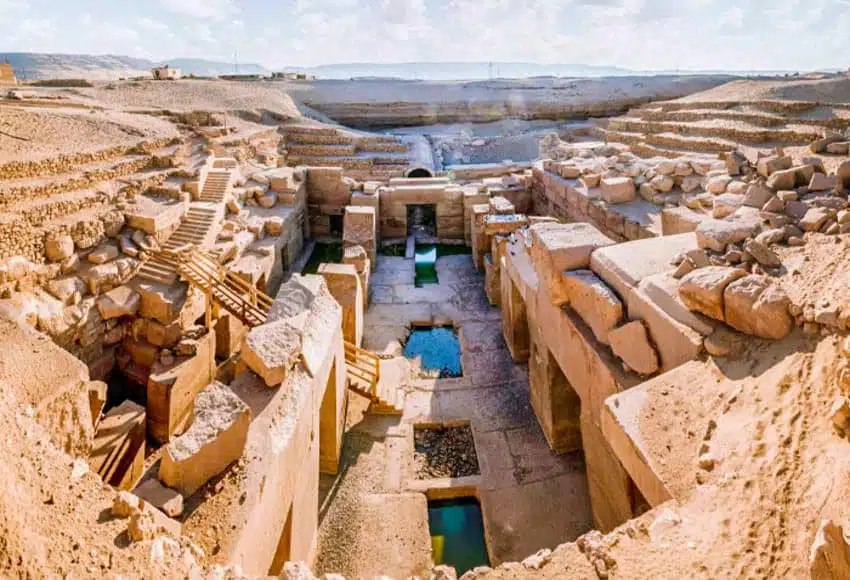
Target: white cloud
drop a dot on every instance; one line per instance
(215, 10)
(151, 24)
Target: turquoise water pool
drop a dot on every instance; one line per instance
(425, 260)
(457, 533)
(439, 349)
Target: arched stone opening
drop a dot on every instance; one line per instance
(419, 172)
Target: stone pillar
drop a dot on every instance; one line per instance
(356, 256)
(344, 285)
(480, 246)
(472, 196)
(360, 229)
(514, 319)
(555, 402)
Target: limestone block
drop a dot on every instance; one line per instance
(274, 226)
(215, 440)
(784, 179)
(103, 253)
(631, 343)
(762, 254)
(267, 200)
(121, 301)
(716, 234)
(623, 266)
(271, 350)
(766, 166)
(815, 218)
(618, 189)
(500, 205)
(59, 247)
(166, 499)
(360, 229)
(344, 285)
(702, 290)
(718, 184)
(822, 182)
(675, 342)
(726, 204)
(67, 290)
(559, 247)
(504, 223)
(663, 290)
(594, 301)
(679, 220)
(755, 305)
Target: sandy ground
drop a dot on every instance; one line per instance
(830, 90)
(190, 95)
(530, 497)
(32, 134)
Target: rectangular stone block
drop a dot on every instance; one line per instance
(618, 189)
(215, 439)
(594, 301)
(559, 247)
(680, 220)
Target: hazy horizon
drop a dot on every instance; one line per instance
(643, 35)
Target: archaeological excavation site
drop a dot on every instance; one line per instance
(564, 329)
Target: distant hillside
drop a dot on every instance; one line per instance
(448, 71)
(110, 67)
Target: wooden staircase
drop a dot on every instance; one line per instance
(222, 287)
(198, 226)
(363, 377)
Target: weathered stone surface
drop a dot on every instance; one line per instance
(757, 195)
(726, 204)
(679, 220)
(559, 247)
(717, 234)
(59, 247)
(166, 499)
(829, 557)
(815, 218)
(102, 254)
(702, 290)
(762, 254)
(822, 182)
(717, 185)
(215, 439)
(618, 189)
(121, 301)
(271, 350)
(784, 179)
(594, 301)
(755, 305)
(631, 343)
(768, 165)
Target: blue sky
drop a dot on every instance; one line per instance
(640, 34)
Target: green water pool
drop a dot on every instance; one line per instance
(323, 254)
(457, 533)
(439, 349)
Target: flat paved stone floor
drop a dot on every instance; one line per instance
(374, 513)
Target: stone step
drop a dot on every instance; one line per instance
(321, 149)
(84, 177)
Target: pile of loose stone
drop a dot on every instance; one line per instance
(444, 452)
